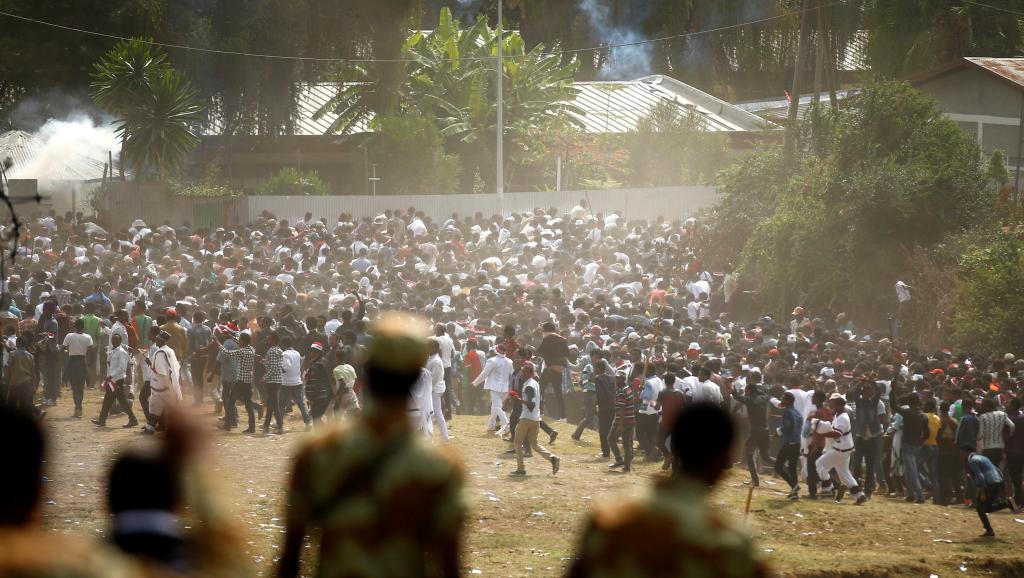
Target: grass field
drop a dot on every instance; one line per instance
(528, 526)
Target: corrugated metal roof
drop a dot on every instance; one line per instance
(610, 107)
(617, 107)
(29, 155)
(778, 108)
(1011, 69)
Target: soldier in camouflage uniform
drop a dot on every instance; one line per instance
(388, 505)
(26, 550)
(672, 531)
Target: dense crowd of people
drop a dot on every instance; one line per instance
(614, 324)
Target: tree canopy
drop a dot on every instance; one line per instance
(872, 183)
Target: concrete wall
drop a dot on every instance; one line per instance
(670, 202)
(155, 205)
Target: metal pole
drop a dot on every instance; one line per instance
(501, 121)
(558, 174)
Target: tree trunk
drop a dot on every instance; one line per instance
(819, 54)
(794, 95)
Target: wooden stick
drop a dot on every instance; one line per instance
(750, 494)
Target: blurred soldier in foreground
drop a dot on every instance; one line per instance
(386, 503)
(156, 495)
(672, 531)
(26, 550)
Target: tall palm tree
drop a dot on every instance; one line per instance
(159, 132)
(156, 107)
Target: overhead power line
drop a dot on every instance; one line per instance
(385, 60)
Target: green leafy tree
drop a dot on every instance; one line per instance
(990, 306)
(289, 181)
(156, 107)
(908, 37)
(450, 78)
(837, 231)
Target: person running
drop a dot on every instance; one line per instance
(529, 423)
(838, 448)
(988, 482)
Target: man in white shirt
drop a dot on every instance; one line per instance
(292, 388)
(165, 385)
(118, 328)
(838, 450)
(420, 403)
(529, 424)
(496, 375)
(115, 389)
(709, 390)
(437, 387)
(77, 346)
(446, 350)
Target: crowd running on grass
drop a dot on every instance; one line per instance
(380, 333)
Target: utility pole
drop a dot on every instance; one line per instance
(501, 120)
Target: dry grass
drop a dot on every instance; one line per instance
(528, 526)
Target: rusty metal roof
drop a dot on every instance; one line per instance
(1011, 69)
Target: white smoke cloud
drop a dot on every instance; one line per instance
(67, 142)
(624, 62)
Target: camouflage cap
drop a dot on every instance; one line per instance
(399, 342)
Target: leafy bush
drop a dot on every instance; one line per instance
(990, 306)
(210, 186)
(290, 181)
(870, 185)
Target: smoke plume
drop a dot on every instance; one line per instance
(73, 141)
(624, 62)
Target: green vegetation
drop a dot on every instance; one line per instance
(990, 305)
(873, 183)
(156, 107)
(450, 78)
(291, 181)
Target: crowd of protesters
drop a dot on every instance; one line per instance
(540, 316)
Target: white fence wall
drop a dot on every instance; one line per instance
(649, 203)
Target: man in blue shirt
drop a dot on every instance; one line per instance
(789, 454)
(987, 480)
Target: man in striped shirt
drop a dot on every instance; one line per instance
(990, 430)
(273, 365)
(625, 421)
(241, 389)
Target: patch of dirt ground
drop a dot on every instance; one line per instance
(529, 526)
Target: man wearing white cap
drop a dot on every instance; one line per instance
(838, 449)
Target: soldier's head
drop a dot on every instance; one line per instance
(707, 460)
(397, 353)
(143, 482)
(20, 487)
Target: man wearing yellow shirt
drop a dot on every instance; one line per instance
(930, 449)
